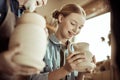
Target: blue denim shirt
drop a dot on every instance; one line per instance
(52, 59)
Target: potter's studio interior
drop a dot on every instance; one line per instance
(59, 40)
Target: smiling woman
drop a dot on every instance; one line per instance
(60, 63)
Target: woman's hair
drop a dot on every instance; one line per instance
(68, 9)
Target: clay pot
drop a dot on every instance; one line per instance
(83, 48)
(31, 35)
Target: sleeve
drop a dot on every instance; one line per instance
(3, 10)
(41, 76)
(2, 3)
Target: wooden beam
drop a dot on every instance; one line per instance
(96, 7)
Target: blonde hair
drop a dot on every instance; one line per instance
(68, 9)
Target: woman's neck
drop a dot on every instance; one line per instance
(60, 38)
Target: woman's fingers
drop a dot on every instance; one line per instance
(94, 59)
(75, 58)
(78, 61)
(88, 71)
(71, 55)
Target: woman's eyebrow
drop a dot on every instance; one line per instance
(77, 23)
(74, 21)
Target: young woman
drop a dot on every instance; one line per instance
(60, 61)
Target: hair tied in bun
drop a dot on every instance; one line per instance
(55, 14)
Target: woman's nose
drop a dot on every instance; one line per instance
(75, 29)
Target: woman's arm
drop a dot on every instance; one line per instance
(71, 65)
(58, 74)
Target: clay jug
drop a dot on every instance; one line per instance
(31, 35)
(88, 64)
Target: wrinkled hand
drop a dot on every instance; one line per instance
(9, 67)
(73, 60)
(31, 5)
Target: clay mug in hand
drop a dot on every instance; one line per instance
(88, 64)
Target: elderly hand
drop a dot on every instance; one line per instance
(9, 67)
(31, 5)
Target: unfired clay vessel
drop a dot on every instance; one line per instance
(88, 65)
(31, 35)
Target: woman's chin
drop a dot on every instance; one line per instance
(69, 37)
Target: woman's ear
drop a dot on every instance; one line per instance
(60, 18)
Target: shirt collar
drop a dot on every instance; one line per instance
(54, 39)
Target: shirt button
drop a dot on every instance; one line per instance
(58, 67)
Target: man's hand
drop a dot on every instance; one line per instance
(31, 5)
(9, 67)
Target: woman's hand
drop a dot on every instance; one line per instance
(73, 60)
(94, 59)
(9, 67)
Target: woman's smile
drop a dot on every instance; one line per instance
(70, 34)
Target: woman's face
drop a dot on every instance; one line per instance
(71, 25)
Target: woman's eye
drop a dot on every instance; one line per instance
(73, 23)
(80, 27)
